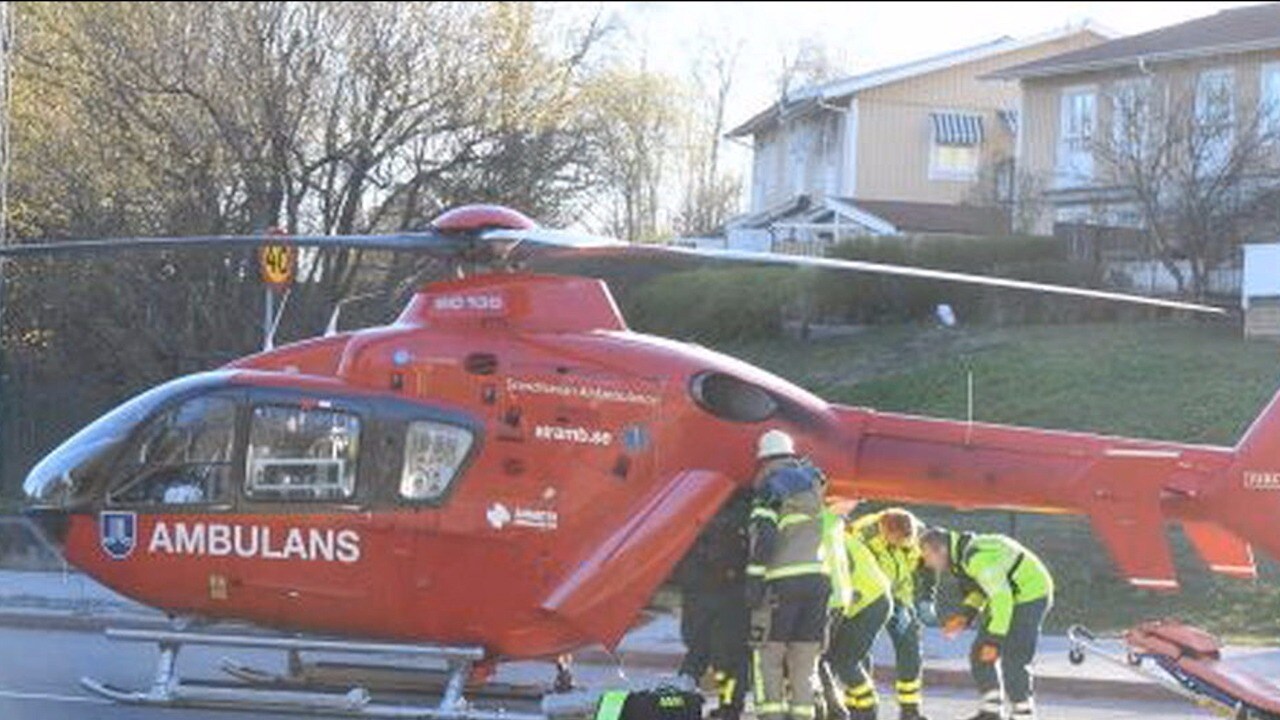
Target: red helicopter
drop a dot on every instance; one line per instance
(507, 471)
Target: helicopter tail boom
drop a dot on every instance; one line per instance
(1227, 499)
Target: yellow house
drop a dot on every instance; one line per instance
(924, 147)
(1090, 114)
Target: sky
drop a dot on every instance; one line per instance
(864, 36)
(860, 36)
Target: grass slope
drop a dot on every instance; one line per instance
(1187, 382)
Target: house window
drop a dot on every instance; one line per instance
(956, 144)
(1078, 118)
(1215, 118)
(1269, 99)
(1130, 117)
(954, 162)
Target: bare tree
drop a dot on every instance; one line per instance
(186, 118)
(636, 123)
(810, 62)
(710, 195)
(1199, 169)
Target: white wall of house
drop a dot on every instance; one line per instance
(1261, 272)
(803, 156)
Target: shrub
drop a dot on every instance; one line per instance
(716, 302)
(713, 305)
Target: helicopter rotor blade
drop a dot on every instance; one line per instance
(430, 242)
(559, 241)
(908, 271)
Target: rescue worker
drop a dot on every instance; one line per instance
(714, 619)
(1009, 591)
(892, 537)
(870, 605)
(836, 560)
(788, 587)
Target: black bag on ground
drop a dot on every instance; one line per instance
(660, 703)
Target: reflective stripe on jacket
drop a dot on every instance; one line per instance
(1002, 573)
(868, 579)
(797, 549)
(836, 560)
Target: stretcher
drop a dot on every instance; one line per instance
(1187, 661)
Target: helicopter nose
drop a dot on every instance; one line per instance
(52, 522)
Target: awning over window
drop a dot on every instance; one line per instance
(956, 128)
(1010, 120)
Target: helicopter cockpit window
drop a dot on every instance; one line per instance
(302, 454)
(184, 456)
(433, 454)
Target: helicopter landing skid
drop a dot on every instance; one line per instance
(377, 678)
(169, 690)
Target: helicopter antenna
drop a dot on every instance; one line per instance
(269, 337)
(331, 328)
(968, 433)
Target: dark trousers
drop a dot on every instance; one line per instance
(1016, 653)
(714, 625)
(785, 675)
(849, 653)
(909, 665)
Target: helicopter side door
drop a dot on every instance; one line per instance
(564, 450)
(301, 552)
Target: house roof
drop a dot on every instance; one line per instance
(1254, 27)
(883, 216)
(936, 218)
(804, 99)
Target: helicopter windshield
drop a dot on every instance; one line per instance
(64, 474)
(183, 456)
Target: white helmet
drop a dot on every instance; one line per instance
(775, 443)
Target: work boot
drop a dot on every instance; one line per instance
(991, 708)
(1025, 710)
(910, 711)
(864, 714)
(834, 711)
(726, 712)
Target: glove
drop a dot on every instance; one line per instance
(901, 619)
(927, 612)
(988, 651)
(954, 625)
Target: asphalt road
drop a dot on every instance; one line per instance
(39, 672)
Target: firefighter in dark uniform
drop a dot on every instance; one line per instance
(788, 583)
(714, 619)
(1007, 593)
